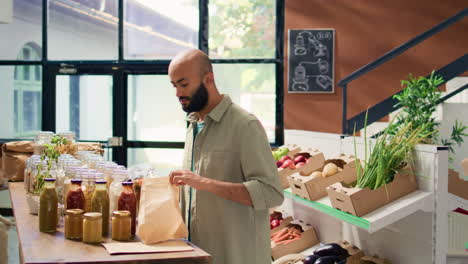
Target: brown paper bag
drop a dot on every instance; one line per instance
(159, 218)
(14, 156)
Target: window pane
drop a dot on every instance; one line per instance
(162, 160)
(20, 104)
(156, 30)
(83, 30)
(31, 106)
(253, 87)
(26, 26)
(242, 29)
(154, 113)
(84, 106)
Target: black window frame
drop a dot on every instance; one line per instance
(122, 67)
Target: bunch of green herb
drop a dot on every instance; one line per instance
(389, 154)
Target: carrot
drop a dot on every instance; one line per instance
(279, 233)
(289, 241)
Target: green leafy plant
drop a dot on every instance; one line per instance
(419, 100)
(50, 155)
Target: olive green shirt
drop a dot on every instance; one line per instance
(232, 147)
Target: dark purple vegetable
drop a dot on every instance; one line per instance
(331, 249)
(327, 260)
(310, 259)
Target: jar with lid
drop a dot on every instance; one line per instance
(75, 196)
(109, 171)
(100, 204)
(116, 188)
(127, 202)
(38, 174)
(70, 173)
(42, 138)
(74, 224)
(121, 226)
(48, 207)
(92, 228)
(82, 153)
(62, 159)
(88, 186)
(69, 136)
(30, 163)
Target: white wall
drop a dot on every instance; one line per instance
(6, 102)
(452, 112)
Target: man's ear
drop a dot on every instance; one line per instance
(208, 79)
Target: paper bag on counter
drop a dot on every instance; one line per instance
(14, 156)
(159, 218)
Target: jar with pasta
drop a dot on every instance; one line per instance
(88, 187)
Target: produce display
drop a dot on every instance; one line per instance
(279, 153)
(286, 235)
(331, 253)
(390, 153)
(276, 218)
(293, 163)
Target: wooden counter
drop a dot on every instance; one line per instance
(37, 247)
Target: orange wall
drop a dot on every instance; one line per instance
(365, 30)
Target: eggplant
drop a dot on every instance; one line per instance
(331, 249)
(327, 260)
(310, 259)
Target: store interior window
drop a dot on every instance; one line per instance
(27, 93)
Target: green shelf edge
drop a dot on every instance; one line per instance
(352, 219)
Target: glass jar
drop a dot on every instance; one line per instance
(74, 224)
(70, 173)
(82, 154)
(42, 138)
(30, 163)
(75, 196)
(108, 172)
(36, 181)
(92, 227)
(100, 204)
(121, 226)
(48, 207)
(127, 202)
(88, 186)
(116, 188)
(69, 136)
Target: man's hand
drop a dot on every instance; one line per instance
(232, 191)
(186, 177)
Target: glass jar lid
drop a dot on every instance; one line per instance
(122, 213)
(93, 215)
(74, 212)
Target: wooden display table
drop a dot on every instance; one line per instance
(37, 247)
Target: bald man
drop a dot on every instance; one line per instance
(230, 178)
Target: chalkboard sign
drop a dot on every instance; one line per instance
(311, 60)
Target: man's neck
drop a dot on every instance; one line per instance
(210, 106)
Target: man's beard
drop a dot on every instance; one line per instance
(197, 101)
